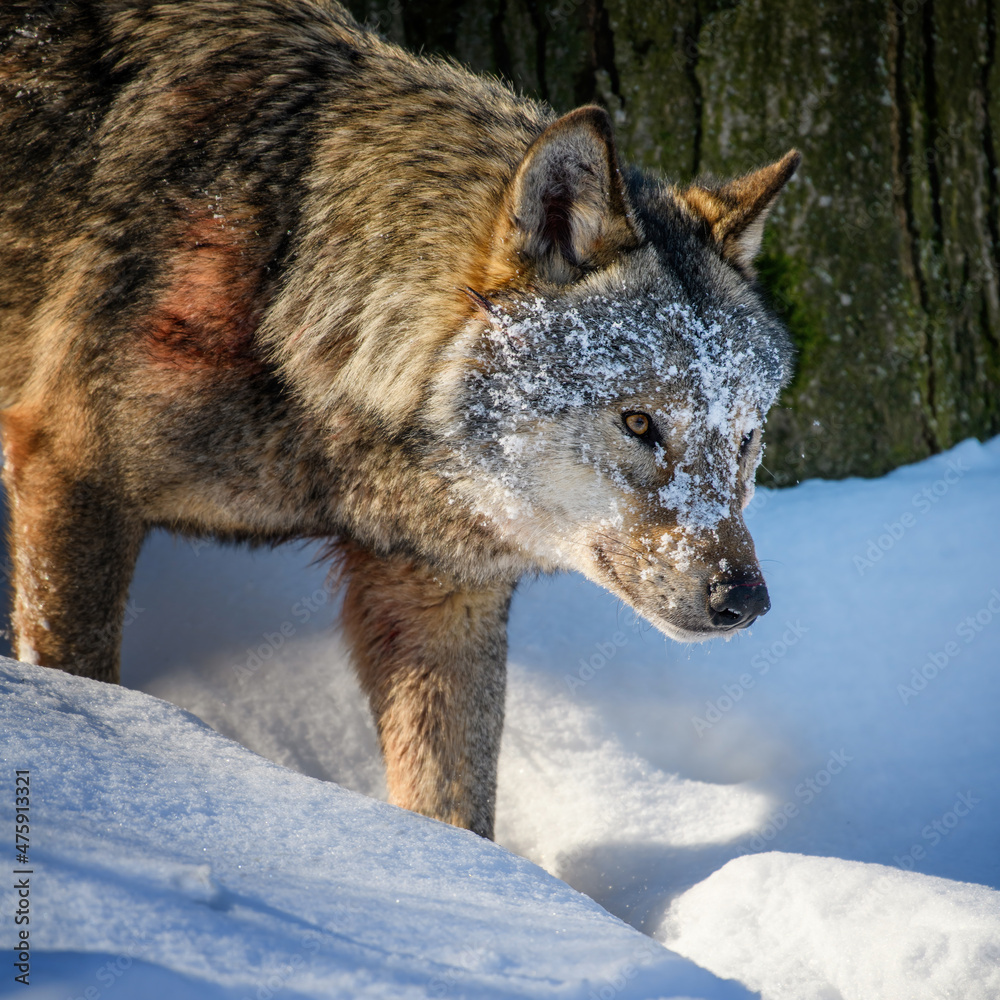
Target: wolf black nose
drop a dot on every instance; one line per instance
(736, 604)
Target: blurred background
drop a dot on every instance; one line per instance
(882, 254)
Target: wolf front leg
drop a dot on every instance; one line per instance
(73, 550)
(432, 658)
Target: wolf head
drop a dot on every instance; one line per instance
(615, 386)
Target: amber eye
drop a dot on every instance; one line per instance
(638, 423)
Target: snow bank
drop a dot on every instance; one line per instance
(856, 721)
(802, 928)
(571, 797)
(168, 861)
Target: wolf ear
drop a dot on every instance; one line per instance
(567, 202)
(736, 212)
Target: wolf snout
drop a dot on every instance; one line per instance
(734, 604)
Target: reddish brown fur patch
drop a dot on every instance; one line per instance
(21, 436)
(207, 316)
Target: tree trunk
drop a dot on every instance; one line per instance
(883, 256)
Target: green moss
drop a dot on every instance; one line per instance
(782, 277)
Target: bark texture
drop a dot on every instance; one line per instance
(883, 255)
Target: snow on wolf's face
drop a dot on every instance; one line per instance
(620, 434)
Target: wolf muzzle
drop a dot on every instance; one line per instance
(735, 604)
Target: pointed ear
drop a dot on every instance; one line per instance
(736, 212)
(567, 203)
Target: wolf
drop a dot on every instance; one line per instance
(265, 276)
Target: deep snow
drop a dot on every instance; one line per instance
(169, 862)
(855, 724)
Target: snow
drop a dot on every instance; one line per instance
(809, 809)
(801, 928)
(723, 369)
(167, 861)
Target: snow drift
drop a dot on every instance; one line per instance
(157, 844)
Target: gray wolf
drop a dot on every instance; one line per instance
(264, 276)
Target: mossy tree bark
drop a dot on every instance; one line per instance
(883, 256)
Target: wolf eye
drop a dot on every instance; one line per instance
(640, 425)
(637, 423)
(746, 443)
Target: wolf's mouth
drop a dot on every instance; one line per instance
(606, 563)
(737, 627)
(729, 605)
